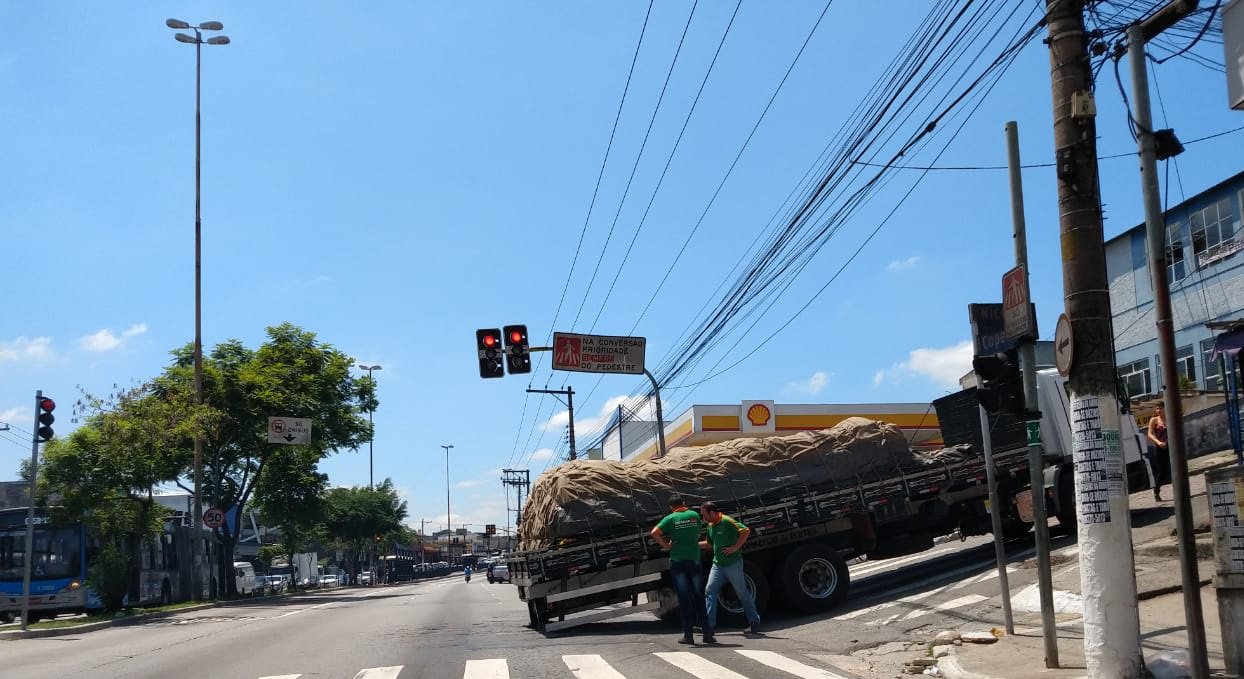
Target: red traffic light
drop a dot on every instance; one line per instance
(515, 337)
(489, 341)
(47, 405)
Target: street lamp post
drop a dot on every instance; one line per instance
(371, 482)
(198, 41)
(449, 525)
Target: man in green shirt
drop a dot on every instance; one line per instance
(679, 532)
(726, 537)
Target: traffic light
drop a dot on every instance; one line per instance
(517, 349)
(999, 384)
(46, 406)
(488, 343)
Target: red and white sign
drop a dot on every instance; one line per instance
(1016, 312)
(598, 353)
(214, 518)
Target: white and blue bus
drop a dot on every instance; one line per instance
(57, 567)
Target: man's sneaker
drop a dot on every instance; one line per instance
(753, 628)
(710, 639)
(687, 640)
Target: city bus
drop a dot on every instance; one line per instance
(63, 553)
(57, 570)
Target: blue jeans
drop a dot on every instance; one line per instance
(717, 579)
(689, 585)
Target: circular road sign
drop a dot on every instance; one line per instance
(1064, 346)
(214, 518)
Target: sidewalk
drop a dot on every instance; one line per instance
(1159, 591)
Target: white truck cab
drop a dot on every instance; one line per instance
(244, 578)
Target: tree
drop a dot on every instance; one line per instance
(105, 474)
(363, 520)
(290, 495)
(293, 375)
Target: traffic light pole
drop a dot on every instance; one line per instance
(30, 511)
(1036, 453)
(995, 517)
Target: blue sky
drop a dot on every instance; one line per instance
(393, 176)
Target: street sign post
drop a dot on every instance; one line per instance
(289, 430)
(598, 353)
(1016, 316)
(214, 517)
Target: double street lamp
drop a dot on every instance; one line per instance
(198, 41)
(371, 481)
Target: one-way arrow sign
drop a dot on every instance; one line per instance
(289, 430)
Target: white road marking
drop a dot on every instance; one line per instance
(380, 672)
(282, 676)
(697, 666)
(590, 667)
(308, 608)
(781, 662)
(491, 668)
(913, 598)
(951, 605)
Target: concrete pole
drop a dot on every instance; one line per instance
(1107, 566)
(1155, 229)
(30, 513)
(995, 517)
(1028, 364)
(1225, 490)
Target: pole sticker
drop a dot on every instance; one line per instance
(1098, 456)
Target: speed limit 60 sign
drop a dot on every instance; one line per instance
(214, 518)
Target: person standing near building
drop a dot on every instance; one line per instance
(679, 532)
(726, 537)
(1158, 453)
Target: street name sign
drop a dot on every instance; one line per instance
(1015, 313)
(598, 353)
(291, 431)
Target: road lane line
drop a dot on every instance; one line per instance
(780, 662)
(380, 672)
(591, 667)
(956, 584)
(282, 676)
(491, 668)
(698, 666)
(951, 605)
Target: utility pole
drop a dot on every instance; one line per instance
(1155, 228)
(1107, 565)
(1028, 367)
(656, 391)
(521, 480)
(568, 392)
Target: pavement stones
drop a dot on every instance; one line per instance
(979, 638)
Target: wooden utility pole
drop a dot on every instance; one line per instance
(1107, 575)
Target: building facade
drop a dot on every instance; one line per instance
(1205, 267)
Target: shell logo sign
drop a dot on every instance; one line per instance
(758, 416)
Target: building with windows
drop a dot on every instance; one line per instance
(1205, 260)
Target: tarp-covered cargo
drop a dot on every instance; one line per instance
(598, 498)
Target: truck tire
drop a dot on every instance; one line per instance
(814, 578)
(730, 609)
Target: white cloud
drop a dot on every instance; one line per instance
(104, 340)
(27, 349)
(644, 411)
(812, 386)
(542, 454)
(12, 414)
(901, 264)
(470, 483)
(942, 366)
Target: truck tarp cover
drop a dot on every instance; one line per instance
(599, 498)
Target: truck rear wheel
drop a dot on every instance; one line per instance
(730, 607)
(814, 578)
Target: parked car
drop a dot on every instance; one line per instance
(366, 578)
(244, 578)
(275, 583)
(499, 572)
(328, 581)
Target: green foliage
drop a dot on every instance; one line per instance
(1186, 383)
(356, 517)
(108, 576)
(268, 554)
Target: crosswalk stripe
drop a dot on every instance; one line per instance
(380, 672)
(492, 668)
(698, 666)
(590, 667)
(781, 662)
(951, 605)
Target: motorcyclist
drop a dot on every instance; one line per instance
(467, 572)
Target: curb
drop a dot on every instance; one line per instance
(1169, 589)
(950, 667)
(103, 624)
